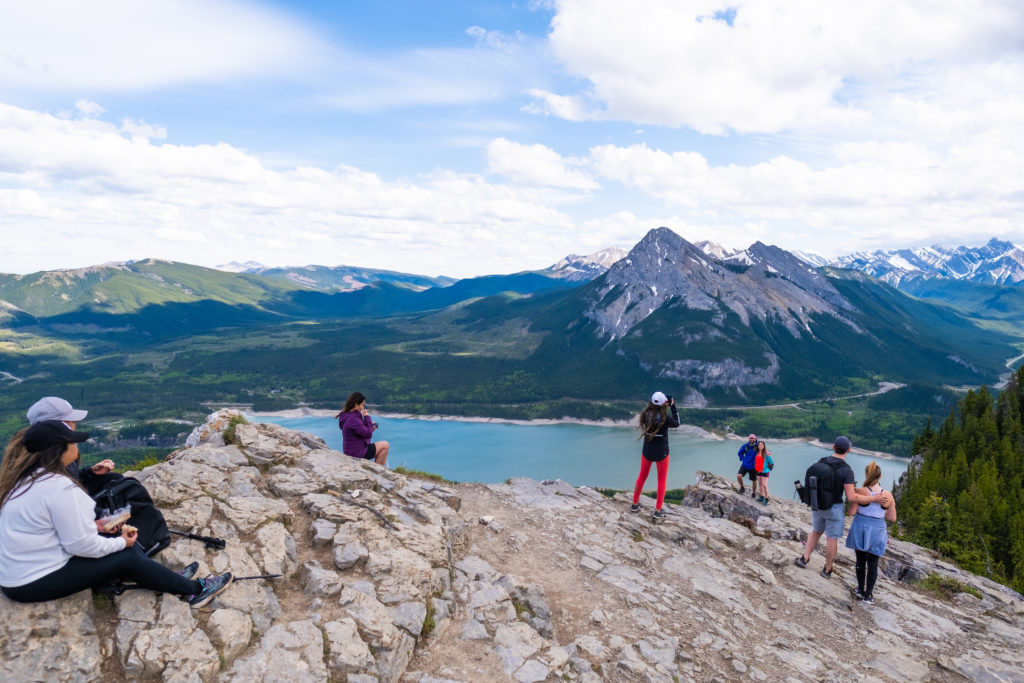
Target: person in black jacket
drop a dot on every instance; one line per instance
(654, 425)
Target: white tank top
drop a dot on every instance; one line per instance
(872, 509)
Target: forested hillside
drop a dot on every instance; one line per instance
(965, 498)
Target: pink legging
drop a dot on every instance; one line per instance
(645, 469)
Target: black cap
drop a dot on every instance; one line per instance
(842, 445)
(49, 433)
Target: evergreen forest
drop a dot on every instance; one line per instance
(964, 493)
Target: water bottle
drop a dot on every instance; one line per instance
(812, 484)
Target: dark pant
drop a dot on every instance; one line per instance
(86, 572)
(867, 563)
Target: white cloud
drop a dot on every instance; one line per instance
(118, 45)
(536, 165)
(868, 194)
(782, 64)
(107, 195)
(141, 129)
(88, 108)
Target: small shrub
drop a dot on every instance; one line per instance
(946, 586)
(607, 493)
(229, 431)
(637, 537)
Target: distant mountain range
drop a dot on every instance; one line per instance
(714, 327)
(995, 263)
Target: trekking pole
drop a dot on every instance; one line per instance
(348, 499)
(265, 575)
(212, 543)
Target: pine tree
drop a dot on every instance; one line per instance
(963, 494)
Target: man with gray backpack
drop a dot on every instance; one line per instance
(825, 484)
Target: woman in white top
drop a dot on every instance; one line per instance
(50, 545)
(869, 536)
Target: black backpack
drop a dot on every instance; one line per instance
(153, 533)
(823, 485)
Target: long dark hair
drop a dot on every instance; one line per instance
(355, 399)
(22, 466)
(651, 420)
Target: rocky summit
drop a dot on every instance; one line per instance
(388, 577)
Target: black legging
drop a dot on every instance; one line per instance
(85, 572)
(866, 562)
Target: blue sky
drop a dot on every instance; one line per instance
(465, 138)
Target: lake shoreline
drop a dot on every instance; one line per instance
(691, 430)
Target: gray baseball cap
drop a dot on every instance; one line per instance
(53, 408)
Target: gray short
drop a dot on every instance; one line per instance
(829, 521)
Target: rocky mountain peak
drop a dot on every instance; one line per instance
(392, 578)
(664, 268)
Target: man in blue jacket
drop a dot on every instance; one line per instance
(746, 455)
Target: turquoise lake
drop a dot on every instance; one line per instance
(609, 457)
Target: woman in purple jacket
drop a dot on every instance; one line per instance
(357, 431)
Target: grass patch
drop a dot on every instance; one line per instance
(608, 493)
(946, 586)
(428, 622)
(522, 609)
(229, 431)
(637, 537)
(674, 496)
(420, 474)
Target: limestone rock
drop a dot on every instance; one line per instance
(292, 651)
(231, 631)
(49, 641)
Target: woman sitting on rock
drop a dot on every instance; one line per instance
(654, 425)
(357, 432)
(50, 546)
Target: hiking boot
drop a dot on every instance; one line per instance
(635, 507)
(753, 494)
(800, 562)
(743, 489)
(765, 501)
(827, 573)
(658, 515)
(212, 585)
(189, 571)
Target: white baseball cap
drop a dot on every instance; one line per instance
(659, 399)
(53, 408)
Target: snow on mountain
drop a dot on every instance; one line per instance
(236, 267)
(576, 268)
(997, 262)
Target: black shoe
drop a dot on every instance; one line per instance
(868, 600)
(743, 489)
(658, 515)
(800, 561)
(859, 593)
(212, 585)
(189, 571)
(826, 573)
(635, 507)
(753, 494)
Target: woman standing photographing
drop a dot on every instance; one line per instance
(654, 425)
(357, 432)
(50, 546)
